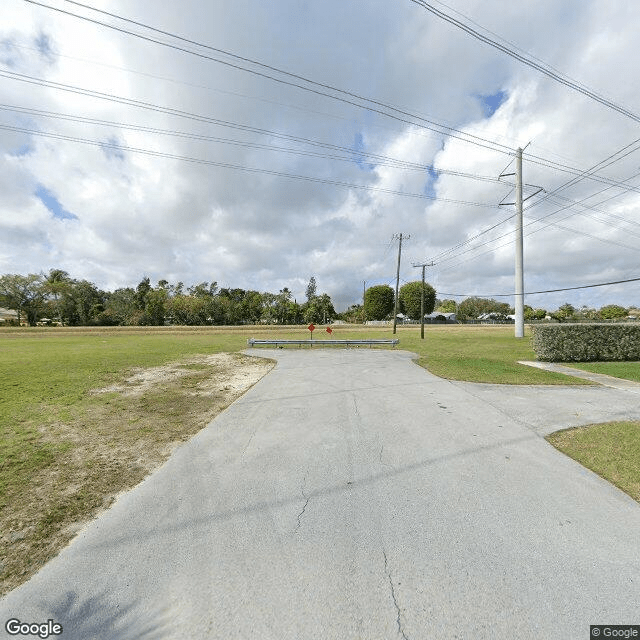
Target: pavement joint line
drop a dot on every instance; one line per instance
(599, 378)
(467, 388)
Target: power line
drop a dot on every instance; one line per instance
(201, 118)
(441, 128)
(609, 160)
(602, 220)
(469, 240)
(297, 107)
(227, 165)
(527, 224)
(493, 249)
(612, 159)
(528, 60)
(531, 293)
(380, 160)
(294, 80)
(582, 173)
(199, 86)
(178, 113)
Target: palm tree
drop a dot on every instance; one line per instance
(56, 283)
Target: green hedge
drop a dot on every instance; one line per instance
(586, 342)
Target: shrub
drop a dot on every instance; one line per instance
(586, 342)
(612, 311)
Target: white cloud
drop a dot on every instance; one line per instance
(142, 215)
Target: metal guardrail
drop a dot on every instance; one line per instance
(252, 342)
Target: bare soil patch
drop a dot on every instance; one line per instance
(111, 440)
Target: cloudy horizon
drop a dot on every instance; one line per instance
(125, 158)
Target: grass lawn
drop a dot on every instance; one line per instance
(65, 451)
(611, 450)
(478, 353)
(626, 370)
(48, 374)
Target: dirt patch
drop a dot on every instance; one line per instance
(107, 444)
(231, 372)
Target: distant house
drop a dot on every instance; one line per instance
(441, 318)
(495, 318)
(9, 316)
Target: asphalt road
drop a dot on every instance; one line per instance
(351, 494)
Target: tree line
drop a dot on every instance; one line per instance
(57, 298)
(379, 305)
(473, 308)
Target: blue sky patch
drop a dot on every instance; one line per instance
(23, 150)
(429, 187)
(358, 145)
(8, 53)
(43, 44)
(493, 102)
(51, 202)
(110, 149)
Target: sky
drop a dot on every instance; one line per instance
(230, 142)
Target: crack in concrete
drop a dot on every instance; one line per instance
(384, 464)
(246, 446)
(393, 597)
(304, 508)
(355, 406)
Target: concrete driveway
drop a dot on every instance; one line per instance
(351, 494)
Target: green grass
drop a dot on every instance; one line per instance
(612, 450)
(478, 354)
(626, 370)
(47, 373)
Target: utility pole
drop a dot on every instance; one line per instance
(519, 306)
(519, 279)
(426, 264)
(395, 302)
(364, 293)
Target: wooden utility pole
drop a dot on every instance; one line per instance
(364, 295)
(395, 302)
(426, 264)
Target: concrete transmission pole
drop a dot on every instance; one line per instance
(395, 302)
(519, 284)
(519, 200)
